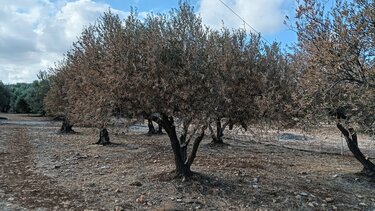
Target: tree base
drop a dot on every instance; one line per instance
(66, 128)
(153, 131)
(352, 142)
(218, 142)
(103, 137)
(368, 173)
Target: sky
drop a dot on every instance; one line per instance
(35, 34)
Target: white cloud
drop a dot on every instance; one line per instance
(35, 34)
(266, 16)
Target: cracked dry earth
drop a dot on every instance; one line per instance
(42, 170)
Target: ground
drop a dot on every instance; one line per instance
(44, 170)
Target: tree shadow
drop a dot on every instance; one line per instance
(119, 145)
(199, 183)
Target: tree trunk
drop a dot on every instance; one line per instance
(193, 153)
(66, 127)
(103, 137)
(219, 133)
(352, 142)
(231, 124)
(182, 168)
(217, 138)
(179, 146)
(160, 129)
(151, 128)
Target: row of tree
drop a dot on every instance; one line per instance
(191, 76)
(190, 79)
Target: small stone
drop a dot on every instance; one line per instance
(155, 161)
(310, 204)
(238, 173)
(118, 191)
(96, 156)
(359, 196)
(329, 200)
(362, 204)
(11, 199)
(172, 198)
(255, 186)
(256, 179)
(118, 208)
(66, 204)
(179, 200)
(335, 175)
(82, 157)
(303, 194)
(141, 199)
(136, 183)
(274, 200)
(334, 207)
(57, 166)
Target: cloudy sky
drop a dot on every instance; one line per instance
(34, 34)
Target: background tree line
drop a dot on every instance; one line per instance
(24, 97)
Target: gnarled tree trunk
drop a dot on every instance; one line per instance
(160, 129)
(66, 127)
(352, 142)
(151, 128)
(183, 162)
(103, 137)
(218, 135)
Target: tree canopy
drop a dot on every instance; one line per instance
(172, 65)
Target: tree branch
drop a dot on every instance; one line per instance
(194, 150)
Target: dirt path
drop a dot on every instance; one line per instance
(42, 170)
(21, 185)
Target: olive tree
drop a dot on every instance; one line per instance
(337, 45)
(167, 75)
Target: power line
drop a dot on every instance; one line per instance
(228, 7)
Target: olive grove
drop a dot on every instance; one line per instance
(195, 79)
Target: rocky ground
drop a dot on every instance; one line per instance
(43, 170)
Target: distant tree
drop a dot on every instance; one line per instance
(18, 101)
(234, 80)
(36, 93)
(250, 82)
(5, 98)
(56, 100)
(338, 48)
(276, 99)
(21, 106)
